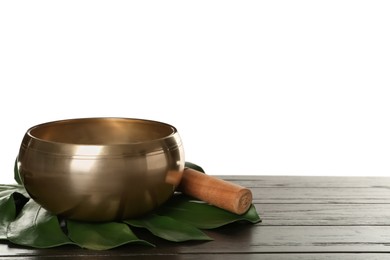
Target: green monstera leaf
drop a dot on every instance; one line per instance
(11, 201)
(202, 215)
(168, 228)
(36, 227)
(101, 236)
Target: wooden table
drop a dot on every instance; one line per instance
(303, 218)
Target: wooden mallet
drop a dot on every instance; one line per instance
(223, 194)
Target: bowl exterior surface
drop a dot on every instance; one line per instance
(101, 169)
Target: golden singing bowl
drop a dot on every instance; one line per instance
(101, 169)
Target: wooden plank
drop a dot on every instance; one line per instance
(321, 195)
(324, 214)
(256, 256)
(240, 239)
(309, 181)
(279, 239)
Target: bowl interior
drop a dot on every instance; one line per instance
(102, 131)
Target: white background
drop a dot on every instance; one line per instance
(254, 87)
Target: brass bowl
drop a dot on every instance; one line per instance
(101, 169)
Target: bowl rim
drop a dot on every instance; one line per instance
(172, 134)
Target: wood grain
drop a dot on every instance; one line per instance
(309, 181)
(324, 214)
(259, 256)
(332, 195)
